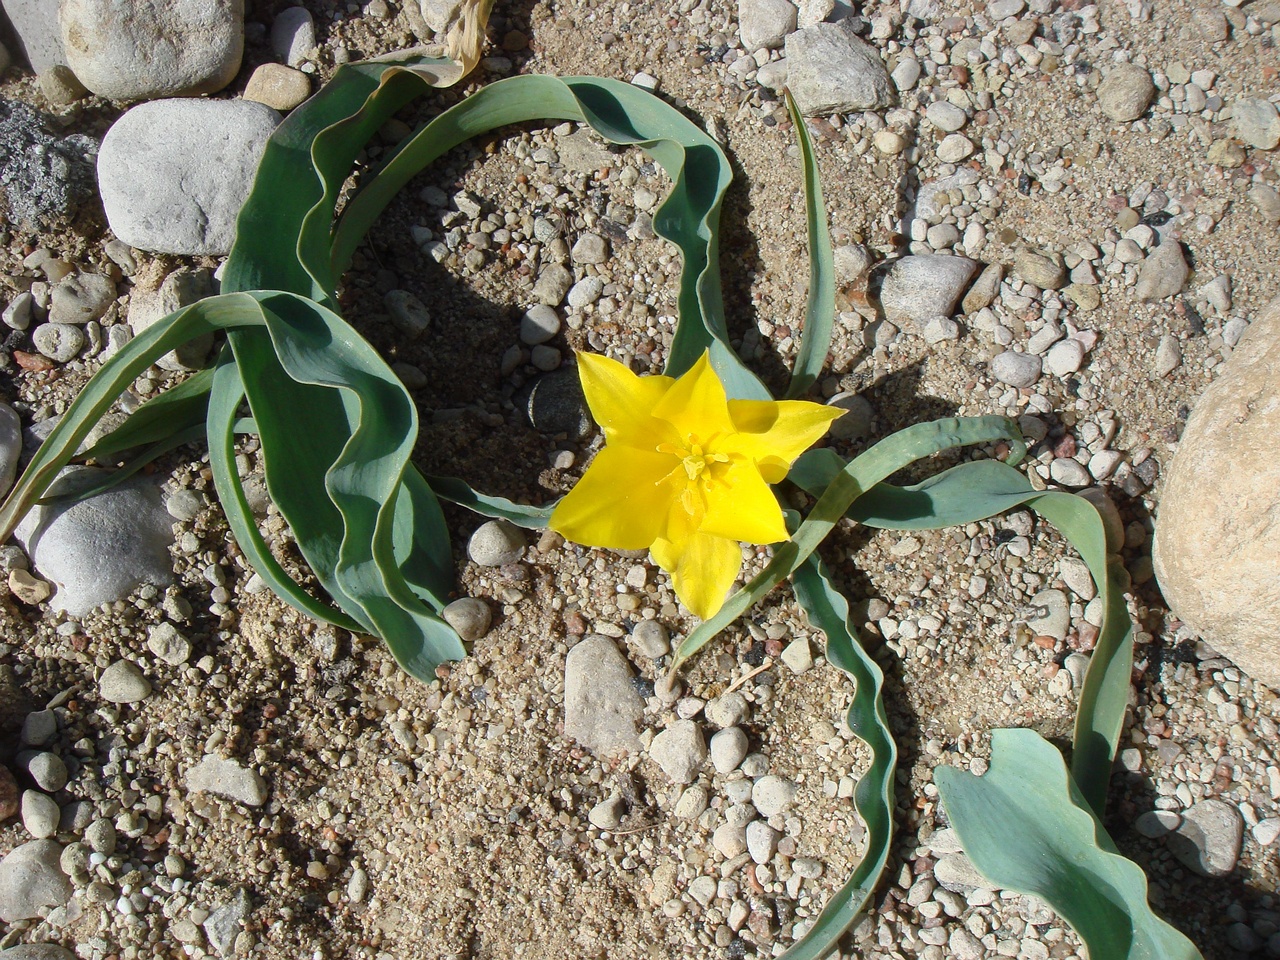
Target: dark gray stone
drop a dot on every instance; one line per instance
(43, 178)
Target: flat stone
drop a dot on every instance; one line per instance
(81, 297)
(35, 22)
(956, 872)
(167, 642)
(1266, 199)
(1015, 369)
(680, 750)
(48, 771)
(918, 288)
(946, 116)
(279, 87)
(60, 342)
(728, 749)
(99, 549)
(1163, 273)
(831, 70)
(856, 422)
(1255, 121)
(1065, 357)
(730, 840)
(123, 682)
(934, 195)
(607, 814)
(174, 174)
(227, 778)
(539, 324)
(149, 304)
(1049, 614)
(601, 705)
(765, 23)
(61, 87)
(32, 881)
(983, 291)
(495, 543)
(1126, 92)
(726, 710)
(955, 147)
(40, 814)
(762, 841)
(225, 921)
(140, 50)
(1044, 270)
(797, 655)
(39, 729)
(470, 617)
(409, 315)
(293, 35)
(1209, 837)
(37, 951)
(772, 795)
(651, 639)
(1217, 535)
(1157, 823)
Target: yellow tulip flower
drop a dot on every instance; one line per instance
(685, 472)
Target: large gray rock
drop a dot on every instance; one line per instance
(32, 882)
(1217, 535)
(42, 177)
(1209, 837)
(174, 173)
(10, 446)
(830, 70)
(601, 706)
(918, 288)
(140, 49)
(97, 550)
(36, 24)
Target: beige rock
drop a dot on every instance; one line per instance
(1217, 537)
(279, 87)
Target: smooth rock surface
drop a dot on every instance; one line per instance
(1217, 532)
(918, 288)
(140, 49)
(279, 87)
(1208, 839)
(37, 951)
(1255, 121)
(227, 778)
(1126, 92)
(293, 35)
(601, 707)
(1163, 273)
(765, 23)
(174, 173)
(831, 70)
(123, 682)
(99, 549)
(1016, 369)
(32, 881)
(496, 542)
(10, 446)
(39, 40)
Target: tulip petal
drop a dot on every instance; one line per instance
(621, 502)
(622, 403)
(696, 404)
(702, 570)
(774, 434)
(744, 508)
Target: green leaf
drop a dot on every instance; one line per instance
(226, 394)
(337, 432)
(820, 309)
(498, 508)
(169, 414)
(622, 114)
(985, 488)
(884, 459)
(1026, 827)
(829, 612)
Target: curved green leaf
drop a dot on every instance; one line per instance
(226, 394)
(499, 508)
(1026, 827)
(622, 114)
(820, 309)
(851, 482)
(829, 612)
(171, 413)
(985, 488)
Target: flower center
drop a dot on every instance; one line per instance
(697, 463)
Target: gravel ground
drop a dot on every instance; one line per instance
(367, 815)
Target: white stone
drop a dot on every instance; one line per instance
(680, 751)
(1217, 534)
(601, 706)
(293, 35)
(140, 49)
(174, 173)
(227, 778)
(765, 23)
(728, 749)
(831, 70)
(97, 550)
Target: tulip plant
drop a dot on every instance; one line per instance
(693, 464)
